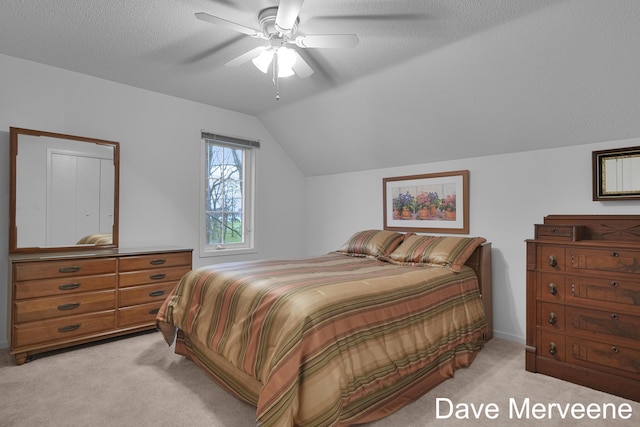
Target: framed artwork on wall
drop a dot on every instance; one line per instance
(431, 203)
(616, 174)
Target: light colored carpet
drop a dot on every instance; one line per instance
(139, 381)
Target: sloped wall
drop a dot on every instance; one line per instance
(564, 75)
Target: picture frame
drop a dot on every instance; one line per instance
(616, 174)
(429, 203)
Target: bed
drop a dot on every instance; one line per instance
(96, 239)
(339, 339)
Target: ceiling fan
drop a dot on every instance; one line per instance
(278, 26)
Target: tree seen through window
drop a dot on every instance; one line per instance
(224, 183)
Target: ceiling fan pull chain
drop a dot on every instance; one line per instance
(276, 72)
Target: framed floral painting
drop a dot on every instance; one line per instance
(431, 203)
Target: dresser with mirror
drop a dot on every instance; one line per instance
(69, 280)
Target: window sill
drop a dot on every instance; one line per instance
(211, 253)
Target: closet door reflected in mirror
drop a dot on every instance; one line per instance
(64, 191)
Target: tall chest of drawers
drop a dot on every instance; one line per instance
(68, 298)
(583, 301)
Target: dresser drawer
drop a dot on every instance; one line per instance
(62, 268)
(551, 258)
(552, 345)
(603, 260)
(146, 293)
(566, 233)
(551, 287)
(607, 325)
(551, 316)
(138, 314)
(51, 307)
(609, 293)
(142, 262)
(172, 274)
(615, 359)
(50, 331)
(63, 286)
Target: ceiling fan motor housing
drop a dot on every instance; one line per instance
(267, 18)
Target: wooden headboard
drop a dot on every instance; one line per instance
(480, 261)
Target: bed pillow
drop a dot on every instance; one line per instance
(448, 251)
(374, 243)
(412, 250)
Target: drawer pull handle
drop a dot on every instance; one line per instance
(615, 254)
(157, 276)
(552, 349)
(156, 293)
(69, 328)
(69, 286)
(70, 269)
(614, 316)
(552, 318)
(70, 306)
(614, 284)
(554, 231)
(553, 261)
(157, 261)
(154, 311)
(553, 289)
(614, 349)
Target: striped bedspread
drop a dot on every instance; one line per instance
(332, 339)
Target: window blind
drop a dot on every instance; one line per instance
(230, 140)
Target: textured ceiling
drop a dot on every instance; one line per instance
(159, 45)
(430, 80)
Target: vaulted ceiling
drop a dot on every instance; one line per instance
(429, 80)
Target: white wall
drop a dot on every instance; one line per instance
(159, 150)
(508, 194)
(159, 138)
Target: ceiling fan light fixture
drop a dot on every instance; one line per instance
(286, 61)
(285, 72)
(279, 25)
(263, 60)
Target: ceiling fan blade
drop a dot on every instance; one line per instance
(374, 17)
(229, 25)
(288, 11)
(246, 57)
(327, 41)
(301, 68)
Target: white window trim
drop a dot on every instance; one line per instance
(248, 209)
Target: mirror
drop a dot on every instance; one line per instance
(64, 192)
(616, 174)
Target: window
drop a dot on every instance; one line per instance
(227, 194)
